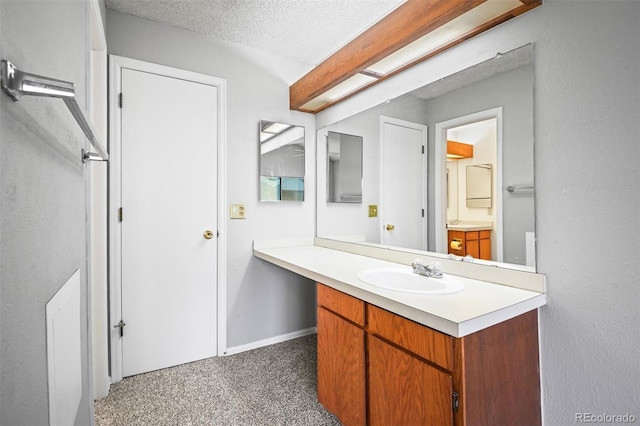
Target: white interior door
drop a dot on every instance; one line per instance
(403, 169)
(169, 200)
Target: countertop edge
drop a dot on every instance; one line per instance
(443, 325)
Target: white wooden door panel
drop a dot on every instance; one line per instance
(403, 183)
(169, 136)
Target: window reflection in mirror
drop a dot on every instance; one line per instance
(281, 162)
(344, 168)
(504, 83)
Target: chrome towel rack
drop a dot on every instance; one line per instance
(520, 188)
(17, 83)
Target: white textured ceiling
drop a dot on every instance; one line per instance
(305, 30)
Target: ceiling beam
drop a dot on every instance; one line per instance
(407, 23)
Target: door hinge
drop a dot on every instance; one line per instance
(423, 149)
(455, 402)
(120, 100)
(120, 325)
(422, 212)
(120, 214)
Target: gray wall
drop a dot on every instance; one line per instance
(284, 161)
(587, 105)
(43, 228)
(513, 91)
(262, 301)
(345, 219)
(587, 151)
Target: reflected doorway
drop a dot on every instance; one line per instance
(481, 132)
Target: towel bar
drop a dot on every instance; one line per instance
(18, 83)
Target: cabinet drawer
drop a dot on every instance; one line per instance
(471, 235)
(458, 235)
(485, 234)
(341, 303)
(422, 341)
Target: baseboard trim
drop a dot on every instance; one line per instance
(270, 341)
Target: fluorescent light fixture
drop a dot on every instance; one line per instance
(386, 49)
(447, 33)
(275, 128)
(272, 129)
(295, 135)
(348, 86)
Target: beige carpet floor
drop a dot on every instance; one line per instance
(274, 385)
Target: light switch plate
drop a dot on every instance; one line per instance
(238, 211)
(373, 211)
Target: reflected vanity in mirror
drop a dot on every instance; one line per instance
(344, 168)
(281, 162)
(496, 94)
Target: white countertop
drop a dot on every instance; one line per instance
(480, 305)
(467, 228)
(470, 226)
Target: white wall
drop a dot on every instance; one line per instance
(587, 150)
(42, 193)
(263, 301)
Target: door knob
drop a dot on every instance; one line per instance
(208, 234)
(390, 227)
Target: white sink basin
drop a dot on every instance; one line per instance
(403, 279)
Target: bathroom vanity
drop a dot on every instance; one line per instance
(474, 241)
(392, 357)
(379, 368)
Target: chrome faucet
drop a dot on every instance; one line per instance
(431, 270)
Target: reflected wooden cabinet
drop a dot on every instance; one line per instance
(472, 243)
(379, 368)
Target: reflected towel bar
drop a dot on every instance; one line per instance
(520, 188)
(18, 83)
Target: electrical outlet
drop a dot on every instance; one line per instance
(238, 211)
(373, 211)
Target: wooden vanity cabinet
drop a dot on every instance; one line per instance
(404, 373)
(473, 243)
(341, 356)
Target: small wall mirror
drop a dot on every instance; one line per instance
(281, 162)
(479, 178)
(344, 168)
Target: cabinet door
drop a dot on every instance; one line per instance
(472, 244)
(485, 245)
(404, 390)
(341, 368)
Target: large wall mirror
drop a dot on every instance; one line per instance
(487, 108)
(281, 161)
